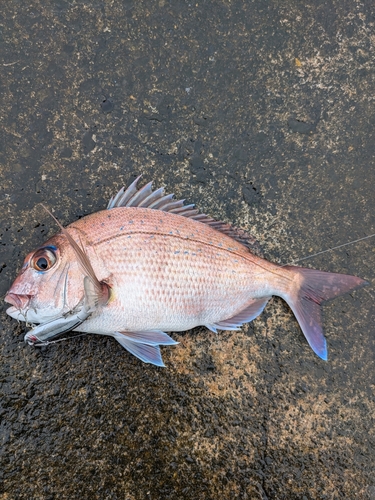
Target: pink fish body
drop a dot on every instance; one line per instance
(151, 265)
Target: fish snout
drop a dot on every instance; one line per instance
(18, 301)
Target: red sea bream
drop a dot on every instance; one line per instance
(149, 265)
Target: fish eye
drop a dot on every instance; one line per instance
(42, 263)
(43, 259)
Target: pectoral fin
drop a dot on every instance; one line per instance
(93, 296)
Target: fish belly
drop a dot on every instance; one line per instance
(174, 284)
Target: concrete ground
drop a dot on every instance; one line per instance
(263, 114)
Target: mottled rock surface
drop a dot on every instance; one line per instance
(263, 114)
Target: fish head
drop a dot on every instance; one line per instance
(48, 276)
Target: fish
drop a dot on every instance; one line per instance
(149, 265)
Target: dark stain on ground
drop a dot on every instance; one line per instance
(197, 96)
(300, 126)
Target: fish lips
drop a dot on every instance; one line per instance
(20, 305)
(19, 302)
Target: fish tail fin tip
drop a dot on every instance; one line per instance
(317, 287)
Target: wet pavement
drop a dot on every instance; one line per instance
(263, 114)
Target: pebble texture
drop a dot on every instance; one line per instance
(262, 113)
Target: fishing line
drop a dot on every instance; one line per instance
(48, 342)
(330, 249)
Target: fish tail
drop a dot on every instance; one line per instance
(309, 290)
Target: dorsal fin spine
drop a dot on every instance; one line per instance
(163, 201)
(140, 196)
(157, 200)
(155, 195)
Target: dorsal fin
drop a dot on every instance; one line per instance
(145, 197)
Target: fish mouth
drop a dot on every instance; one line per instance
(18, 301)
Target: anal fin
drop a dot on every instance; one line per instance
(245, 316)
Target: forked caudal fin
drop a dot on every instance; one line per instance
(317, 287)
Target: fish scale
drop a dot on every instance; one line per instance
(159, 270)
